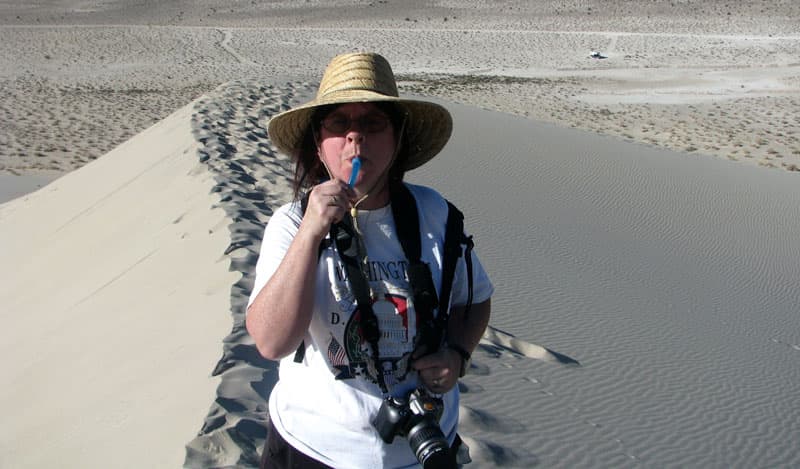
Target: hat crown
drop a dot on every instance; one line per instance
(361, 71)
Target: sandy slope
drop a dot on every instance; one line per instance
(669, 278)
(110, 276)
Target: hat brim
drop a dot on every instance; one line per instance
(428, 125)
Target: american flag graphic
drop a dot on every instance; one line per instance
(336, 354)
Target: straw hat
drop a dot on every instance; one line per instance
(363, 78)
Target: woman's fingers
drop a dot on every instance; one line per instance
(327, 204)
(333, 193)
(438, 371)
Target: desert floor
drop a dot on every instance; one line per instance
(710, 78)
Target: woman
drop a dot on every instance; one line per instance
(303, 310)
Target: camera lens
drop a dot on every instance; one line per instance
(430, 446)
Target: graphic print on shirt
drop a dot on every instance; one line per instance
(397, 326)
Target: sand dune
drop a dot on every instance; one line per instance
(669, 279)
(113, 278)
(609, 260)
(645, 313)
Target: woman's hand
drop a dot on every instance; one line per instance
(439, 371)
(327, 204)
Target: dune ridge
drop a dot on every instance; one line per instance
(252, 179)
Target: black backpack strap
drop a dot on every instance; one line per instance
(300, 353)
(454, 237)
(420, 278)
(406, 219)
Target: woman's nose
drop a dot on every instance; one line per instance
(355, 136)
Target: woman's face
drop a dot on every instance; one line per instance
(363, 130)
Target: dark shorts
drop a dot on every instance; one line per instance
(279, 454)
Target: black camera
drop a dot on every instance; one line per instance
(417, 419)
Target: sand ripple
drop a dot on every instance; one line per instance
(613, 254)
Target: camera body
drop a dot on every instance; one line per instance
(417, 419)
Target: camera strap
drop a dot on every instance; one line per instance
(431, 330)
(347, 242)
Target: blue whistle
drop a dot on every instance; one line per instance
(354, 173)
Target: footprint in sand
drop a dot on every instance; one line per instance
(487, 420)
(505, 341)
(496, 344)
(469, 388)
(787, 344)
(250, 177)
(487, 454)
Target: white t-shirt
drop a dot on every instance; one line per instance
(324, 405)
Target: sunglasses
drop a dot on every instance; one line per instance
(371, 123)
